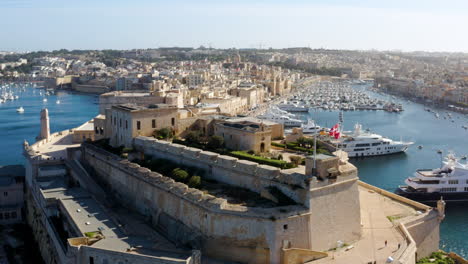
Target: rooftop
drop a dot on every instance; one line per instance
(88, 215)
(88, 126)
(134, 107)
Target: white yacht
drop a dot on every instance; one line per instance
(20, 110)
(363, 144)
(428, 185)
(293, 107)
(282, 119)
(311, 128)
(44, 100)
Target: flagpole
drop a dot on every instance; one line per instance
(315, 147)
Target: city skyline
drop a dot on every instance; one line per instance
(351, 25)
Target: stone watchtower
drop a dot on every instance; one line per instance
(45, 127)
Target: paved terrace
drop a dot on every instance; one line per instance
(376, 209)
(56, 147)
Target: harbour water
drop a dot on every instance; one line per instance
(72, 111)
(386, 172)
(422, 127)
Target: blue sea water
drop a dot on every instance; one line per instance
(73, 110)
(422, 127)
(386, 172)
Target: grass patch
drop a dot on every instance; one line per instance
(91, 234)
(438, 257)
(393, 218)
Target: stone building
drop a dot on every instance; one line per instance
(244, 135)
(255, 94)
(84, 132)
(128, 121)
(11, 193)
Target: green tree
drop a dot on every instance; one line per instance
(179, 175)
(194, 182)
(215, 142)
(193, 137)
(163, 133)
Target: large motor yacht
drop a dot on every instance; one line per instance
(312, 128)
(429, 185)
(293, 107)
(282, 119)
(363, 144)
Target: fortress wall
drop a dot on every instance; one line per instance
(189, 216)
(339, 207)
(227, 169)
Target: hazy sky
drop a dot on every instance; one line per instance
(431, 25)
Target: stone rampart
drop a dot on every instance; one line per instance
(190, 216)
(228, 169)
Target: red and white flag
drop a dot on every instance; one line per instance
(335, 132)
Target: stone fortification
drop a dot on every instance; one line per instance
(230, 170)
(189, 216)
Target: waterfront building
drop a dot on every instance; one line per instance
(11, 194)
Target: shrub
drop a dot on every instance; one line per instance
(163, 133)
(296, 160)
(279, 145)
(193, 137)
(215, 142)
(275, 163)
(179, 175)
(194, 182)
(280, 157)
(127, 150)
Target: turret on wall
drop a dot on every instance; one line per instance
(45, 126)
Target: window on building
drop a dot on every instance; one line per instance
(126, 124)
(13, 215)
(453, 181)
(138, 125)
(173, 121)
(7, 215)
(96, 129)
(120, 122)
(91, 260)
(1, 216)
(153, 123)
(451, 189)
(5, 194)
(285, 227)
(466, 189)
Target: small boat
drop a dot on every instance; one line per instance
(439, 151)
(20, 110)
(57, 102)
(420, 147)
(44, 100)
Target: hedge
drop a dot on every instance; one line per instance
(275, 163)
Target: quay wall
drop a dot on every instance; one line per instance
(188, 216)
(230, 170)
